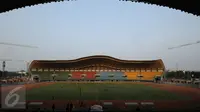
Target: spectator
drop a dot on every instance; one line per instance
(71, 107)
(67, 108)
(53, 107)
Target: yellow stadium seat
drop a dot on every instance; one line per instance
(150, 75)
(131, 75)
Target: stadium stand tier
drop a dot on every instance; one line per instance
(97, 67)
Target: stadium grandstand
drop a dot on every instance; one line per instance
(96, 68)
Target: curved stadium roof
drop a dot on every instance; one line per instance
(189, 6)
(96, 59)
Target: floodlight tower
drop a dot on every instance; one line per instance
(4, 65)
(183, 45)
(16, 45)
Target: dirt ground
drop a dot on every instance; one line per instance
(37, 85)
(26, 86)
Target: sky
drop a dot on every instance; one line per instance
(124, 30)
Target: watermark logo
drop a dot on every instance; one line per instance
(13, 97)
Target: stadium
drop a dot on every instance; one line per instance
(114, 84)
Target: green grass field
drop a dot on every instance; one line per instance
(101, 91)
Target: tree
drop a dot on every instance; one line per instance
(22, 73)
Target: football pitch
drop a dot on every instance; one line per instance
(101, 91)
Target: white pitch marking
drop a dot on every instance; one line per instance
(147, 103)
(131, 103)
(21, 103)
(35, 103)
(107, 103)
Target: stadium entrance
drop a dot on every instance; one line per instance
(36, 79)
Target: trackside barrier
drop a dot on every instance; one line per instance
(131, 105)
(35, 105)
(107, 105)
(20, 104)
(147, 105)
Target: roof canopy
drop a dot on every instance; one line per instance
(97, 60)
(189, 6)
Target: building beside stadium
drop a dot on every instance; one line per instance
(97, 67)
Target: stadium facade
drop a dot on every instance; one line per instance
(98, 67)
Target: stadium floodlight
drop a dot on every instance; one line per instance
(18, 45)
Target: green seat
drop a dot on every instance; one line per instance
(61, 76)
(43, 75)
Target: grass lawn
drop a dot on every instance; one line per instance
(95, 91)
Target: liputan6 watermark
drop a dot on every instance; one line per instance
(13, 97)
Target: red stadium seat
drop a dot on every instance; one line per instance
(77, 75)
(90, 75)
